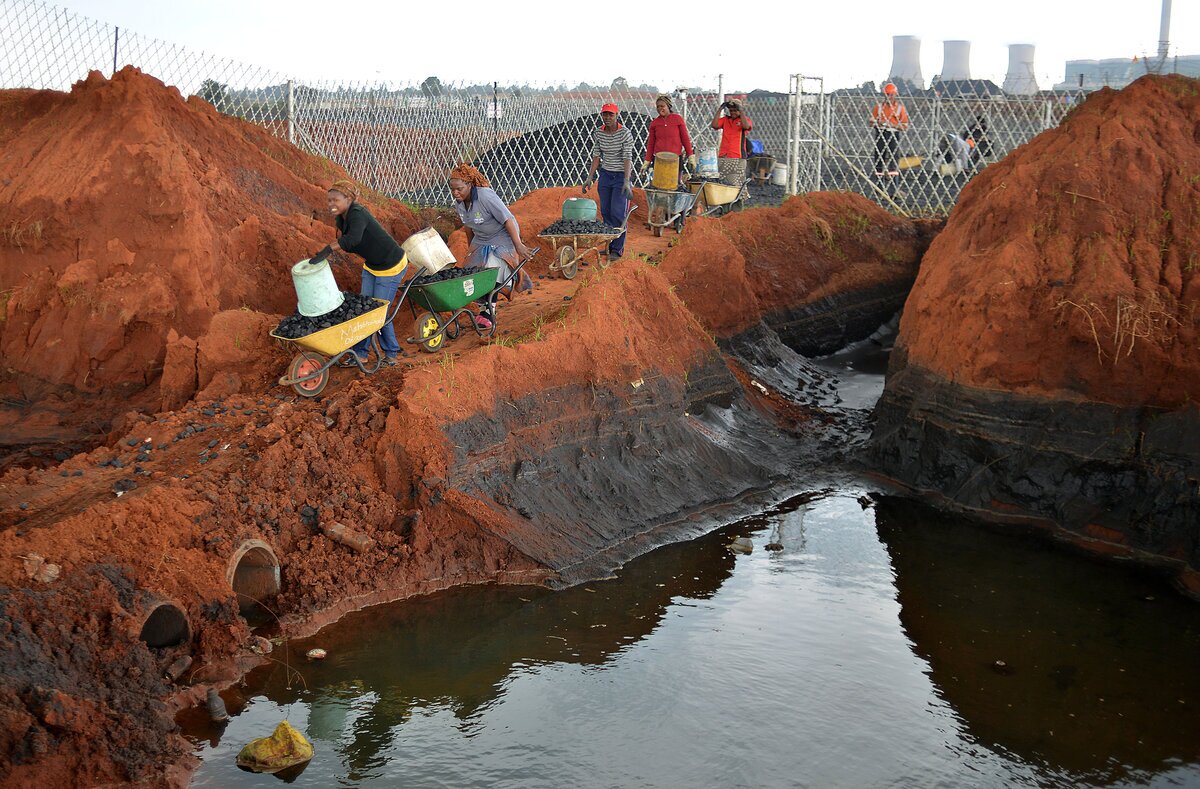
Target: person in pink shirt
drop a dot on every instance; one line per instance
(668, 134)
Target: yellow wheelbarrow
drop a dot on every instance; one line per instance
(714, 198)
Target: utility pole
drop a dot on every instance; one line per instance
(1164, 36)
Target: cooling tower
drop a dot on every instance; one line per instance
(1020, 79)
(906, 61)
(956, 60)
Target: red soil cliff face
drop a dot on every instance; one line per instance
(1071, 269)
(128, 214)
(733, 271)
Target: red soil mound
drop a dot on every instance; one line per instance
(128, 213)
(1070, 269)
(733, 271)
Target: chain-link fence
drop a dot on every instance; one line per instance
(402, 139)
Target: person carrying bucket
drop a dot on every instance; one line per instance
(384, 261)
(612, 155)
(888, 119)
(733, 126)
(668, 134)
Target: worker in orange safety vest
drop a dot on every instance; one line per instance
(888, 119)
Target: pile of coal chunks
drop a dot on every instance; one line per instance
(580, 227)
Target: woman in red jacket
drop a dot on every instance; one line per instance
(669, 134)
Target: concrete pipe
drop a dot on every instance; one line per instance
(253, 574)
(163, 623)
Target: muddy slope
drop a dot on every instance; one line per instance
(822, 270)
(132, 219)
(1048, 362)
(547, 460)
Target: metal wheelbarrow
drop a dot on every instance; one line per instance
(665, 208)
(455, 296)
(572, 247)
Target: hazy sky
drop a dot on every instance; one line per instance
(845, 42)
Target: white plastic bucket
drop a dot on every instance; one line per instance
(779, 175)
(426, 249)
(316, 290)
(706, 163)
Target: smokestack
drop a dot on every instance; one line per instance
(1164, 32)
(956, 60)
(1020, 80)
(906, 61)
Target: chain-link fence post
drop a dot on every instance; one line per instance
(792, 132)
(291, 112)
(116, 42)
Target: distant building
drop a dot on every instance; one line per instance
(1119, 72)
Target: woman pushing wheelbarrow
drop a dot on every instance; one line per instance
(383, 263)
(493, 232)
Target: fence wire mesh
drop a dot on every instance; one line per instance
(403, 138)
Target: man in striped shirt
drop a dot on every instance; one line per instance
(612, 155)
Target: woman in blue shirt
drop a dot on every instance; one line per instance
(491, 228)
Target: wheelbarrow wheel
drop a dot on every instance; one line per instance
(307, 363)
(428, 327)
(567, 263)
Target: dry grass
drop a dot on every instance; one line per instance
(17, 234)
(1117, 330)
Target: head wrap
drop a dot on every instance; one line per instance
(346, 187)
(667, 99)
(468, 175)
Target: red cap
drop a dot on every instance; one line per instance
(889, 89)
(610, 107)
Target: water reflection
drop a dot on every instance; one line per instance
(458, 649)
(852, 647)
(1068, 663)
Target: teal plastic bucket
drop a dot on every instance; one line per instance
(579, 208)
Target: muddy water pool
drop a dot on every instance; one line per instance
(874, 643)
(879, 646)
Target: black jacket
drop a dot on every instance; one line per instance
(361, 234)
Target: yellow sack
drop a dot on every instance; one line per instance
(286, 747)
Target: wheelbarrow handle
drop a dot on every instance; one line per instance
(515, 272)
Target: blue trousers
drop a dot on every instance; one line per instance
(381, 288)
(613, 205)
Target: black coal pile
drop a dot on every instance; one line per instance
(582, 227)
(539, 158)
(297, 325)
(445, 274)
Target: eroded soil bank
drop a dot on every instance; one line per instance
(1048, 363)
(602, 420)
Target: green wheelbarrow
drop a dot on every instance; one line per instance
(447, 305)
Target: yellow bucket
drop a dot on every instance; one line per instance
(666, 171)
